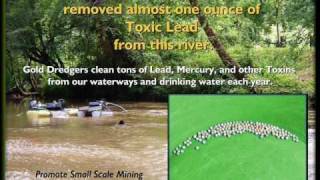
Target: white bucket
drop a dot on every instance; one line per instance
(81, 114)
(96, 113)
(59, 114)
(101, 113)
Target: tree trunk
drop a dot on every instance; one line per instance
(278, 43)
(224, 56)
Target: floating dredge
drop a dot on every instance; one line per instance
(57, 109)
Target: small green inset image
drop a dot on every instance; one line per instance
(237, 137)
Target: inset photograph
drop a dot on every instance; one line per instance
(236, 137)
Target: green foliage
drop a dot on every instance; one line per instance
(38, 33)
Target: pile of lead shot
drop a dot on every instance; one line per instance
(229, 129)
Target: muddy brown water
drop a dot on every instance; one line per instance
(81, 144)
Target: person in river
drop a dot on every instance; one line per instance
(121, 122)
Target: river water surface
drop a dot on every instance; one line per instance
(82, 144)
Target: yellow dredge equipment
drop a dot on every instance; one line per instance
(38, 113)
(71, 111)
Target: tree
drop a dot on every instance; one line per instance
(225, 57)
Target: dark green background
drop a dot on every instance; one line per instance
(242, 157)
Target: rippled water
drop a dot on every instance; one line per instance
(83, 144)
(88, 144)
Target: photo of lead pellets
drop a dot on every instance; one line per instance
(229, 129)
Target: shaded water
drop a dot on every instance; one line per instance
(81, 144)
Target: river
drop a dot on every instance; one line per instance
(82, 144)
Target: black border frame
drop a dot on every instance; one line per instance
(2, 80)
(2, 96)
(306, 120)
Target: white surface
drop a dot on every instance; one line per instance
(311, 154)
